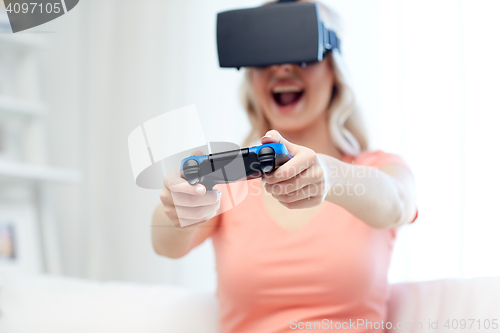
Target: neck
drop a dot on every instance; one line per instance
(316, 137)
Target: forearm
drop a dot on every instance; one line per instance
(168, 240)
(371, 195)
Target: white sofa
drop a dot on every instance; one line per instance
(37, 303)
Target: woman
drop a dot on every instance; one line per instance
(310, 246)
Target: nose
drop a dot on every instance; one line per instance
(284, 69)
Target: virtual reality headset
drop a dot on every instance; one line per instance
(280, 33)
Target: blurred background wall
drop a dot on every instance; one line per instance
(425, 72)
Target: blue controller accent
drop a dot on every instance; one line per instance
(218, 168)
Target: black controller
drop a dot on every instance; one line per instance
(234, 165)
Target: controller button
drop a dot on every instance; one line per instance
(266, 151)
(266, 159)
(191, 171)
(192, 176)
(266, 165)
(190, 164)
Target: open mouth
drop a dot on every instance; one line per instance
(285, 95)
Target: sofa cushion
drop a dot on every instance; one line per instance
(40, 303)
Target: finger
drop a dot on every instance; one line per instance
(175, 177)
(306, 177)
(304, 203)
(197, 213)
(298, 164)
(166, 197)
(275, 136)
(175, 183)
(181, 185)
(172, 178)
(302, 158)
(189, 200)
(309, 191)
(197, 153)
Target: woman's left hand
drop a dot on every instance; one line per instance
(309, 178)
(301, 182)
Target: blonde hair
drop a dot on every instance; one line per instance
(346, 126)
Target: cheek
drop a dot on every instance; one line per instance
(320, 87)
(258, 81)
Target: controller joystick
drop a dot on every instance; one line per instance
(266, 159)
(191, 171)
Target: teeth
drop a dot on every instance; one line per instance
(284, 89)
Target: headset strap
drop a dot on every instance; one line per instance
(330, 39)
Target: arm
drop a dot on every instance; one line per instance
(186, 217)
(381, 198)
(173, 242)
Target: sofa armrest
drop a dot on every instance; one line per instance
(440, 300)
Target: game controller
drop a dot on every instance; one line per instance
(234, 165)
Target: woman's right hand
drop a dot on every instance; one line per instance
(186, 204)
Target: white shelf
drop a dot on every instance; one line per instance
(14, 106)
(25, 171)
(22, 40)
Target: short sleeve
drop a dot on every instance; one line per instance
(379, 158)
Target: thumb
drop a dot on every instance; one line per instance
(275, 136)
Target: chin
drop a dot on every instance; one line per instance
(292, 121)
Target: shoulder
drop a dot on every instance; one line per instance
(377, 158)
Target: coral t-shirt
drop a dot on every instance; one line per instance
(331, 274)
